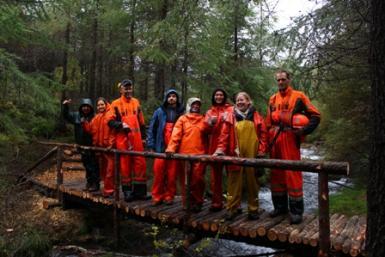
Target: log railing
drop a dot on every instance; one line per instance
(323, 168)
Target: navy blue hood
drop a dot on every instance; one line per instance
(166, 94)
(86, 101)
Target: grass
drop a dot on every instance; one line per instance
(349, 201)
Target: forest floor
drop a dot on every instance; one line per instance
(27, 229)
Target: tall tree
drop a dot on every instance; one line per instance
(376, 187)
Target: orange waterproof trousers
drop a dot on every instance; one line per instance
(286, 147)
(132, 168)
(107, 171)
(165, 173)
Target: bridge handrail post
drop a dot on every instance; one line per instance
(116, 199)
(59, 174)
(324, 220)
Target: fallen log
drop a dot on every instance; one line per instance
(50, 203)
(245, 228)
(225, 226)
(341, 168)
(23, 177)
(283, 235)
(154, 212)
(166, 216)
(346, 232)
(206, 223)
(233, 227)
(312, 236)
(263, 227)
(273, 232)
(351, 241)
(309, 226)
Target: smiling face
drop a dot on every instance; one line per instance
(86, 109)
(195, 107)
(101, 106)
(242, 102)
(219, 97)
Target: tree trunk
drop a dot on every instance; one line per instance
(92, 84)
(185, 65)
(159, 85)
(144, 86)
(132, 43)
(376, 187)
(236, 11)
(61, 124)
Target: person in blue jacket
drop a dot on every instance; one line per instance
(85, 113)
(158, 136)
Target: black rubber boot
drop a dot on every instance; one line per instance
(280, 205)
(140, 191)
(296, 210)
(127, 193)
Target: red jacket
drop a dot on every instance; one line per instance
(221, 112)
(102, 134)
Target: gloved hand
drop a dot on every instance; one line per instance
(125, 127)
(218, 153)
(169, 154)
(212, 120)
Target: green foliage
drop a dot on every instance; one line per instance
(32, 243)
(26, 102)
(349, 201)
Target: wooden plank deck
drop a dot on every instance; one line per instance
(347, 233)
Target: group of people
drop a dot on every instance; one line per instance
(233, 130)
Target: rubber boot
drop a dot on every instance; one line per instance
(296, 210)
(280, 205)
(127, 193)
(140, 191)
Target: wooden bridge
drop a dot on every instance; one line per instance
(323, 234)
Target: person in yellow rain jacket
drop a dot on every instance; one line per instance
(244, 135)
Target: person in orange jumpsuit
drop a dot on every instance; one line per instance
(243, 134)
(127, 120)
(218, 112)
(286, 186)
(188, 137)
(102, 137)
(158, 136)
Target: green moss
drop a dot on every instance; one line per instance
(349, 201)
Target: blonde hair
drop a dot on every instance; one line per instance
(245, 95)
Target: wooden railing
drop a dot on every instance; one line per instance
(323, 168)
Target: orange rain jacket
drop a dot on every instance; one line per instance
(283, 105)
(221, 112)
(228, 142)
(102, 134)
(188, 135)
